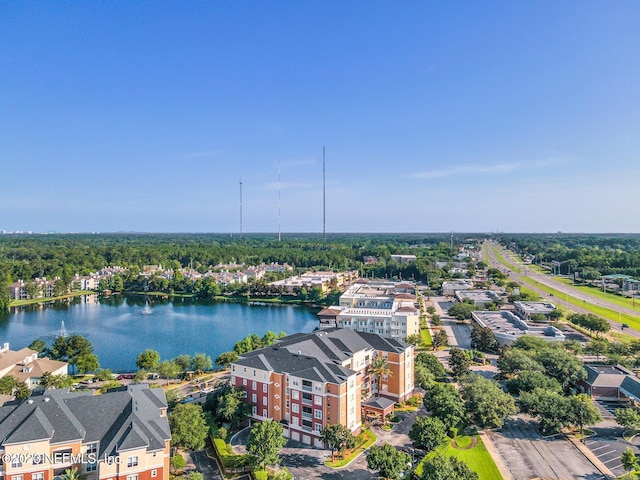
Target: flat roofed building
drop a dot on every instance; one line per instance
(383, 308)
(449, 289)
(122, 434)
(478, 297)
(507, 328)
(309, 381)
(525, 309)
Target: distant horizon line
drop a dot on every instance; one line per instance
(320, 234)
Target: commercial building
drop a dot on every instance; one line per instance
(120, 435)
(526, 309)
(309, 381)
(384, 308)
(507, 327)
(449, 289)
(610, 382)
(478, 297)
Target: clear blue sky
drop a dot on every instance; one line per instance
(436, 116)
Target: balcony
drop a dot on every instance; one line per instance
(307, 388)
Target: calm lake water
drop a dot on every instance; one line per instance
(119, 331)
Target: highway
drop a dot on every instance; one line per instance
(567, 290)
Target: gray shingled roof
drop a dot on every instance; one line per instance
(123, 419)
(317, 356)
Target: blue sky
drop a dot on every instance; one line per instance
(436, 116)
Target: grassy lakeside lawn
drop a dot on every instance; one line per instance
(477, 458)
(31, 301)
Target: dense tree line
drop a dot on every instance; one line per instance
(591, 255)
(30, 256)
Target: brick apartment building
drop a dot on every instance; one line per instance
(309, 381)
(120, 435)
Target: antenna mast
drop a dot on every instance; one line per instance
(240, 208)
(324, 199)
(279, 188)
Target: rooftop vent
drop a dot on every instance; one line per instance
(46, 399)
(29, 401)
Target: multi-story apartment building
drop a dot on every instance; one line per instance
(309, 381)
(384, 308)
(120, 435)
(27, 367)
(325, 281)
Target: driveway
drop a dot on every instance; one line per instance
(527, 455)
(205, 465)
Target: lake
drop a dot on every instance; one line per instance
(119, 331)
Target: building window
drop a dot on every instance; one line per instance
(91, 467)
(37, 476)
(264, 388)
(92, 448)
(317, 414)
(154, 473)
(132, 477)
(254, 398)
(38, 459)
(295, 408)
(233, 380)
(307, 423)
(264, 400)
(244, 382)
(317, 427)
(254, 385)
(294, 394)
(16, 477)
(16, 463)
(254, 410)
(264, 412)
(132, 461)
(318, 400)
(254, 372)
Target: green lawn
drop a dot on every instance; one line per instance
(596, 292)
(426, 338)
(363, 441)
(477, 458)
(79, 293)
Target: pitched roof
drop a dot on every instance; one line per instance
(126, 418)
(319, 355)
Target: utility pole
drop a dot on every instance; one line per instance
(240, 208)
(279, 188)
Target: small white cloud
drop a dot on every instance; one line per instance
(495, 169)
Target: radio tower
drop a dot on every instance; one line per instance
(240, 208)
(324, 199)
(279, 188)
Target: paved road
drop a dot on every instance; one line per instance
(205, 465)
(565, 289)
(527, 455)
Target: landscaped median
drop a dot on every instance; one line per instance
(471, 450)
(363, 441)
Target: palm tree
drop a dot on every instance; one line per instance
(72, 474)
(380, 367)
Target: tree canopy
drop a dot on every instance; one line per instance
(265, 442)
(188, 426)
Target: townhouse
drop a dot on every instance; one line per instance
(309, 381)
(120, 435)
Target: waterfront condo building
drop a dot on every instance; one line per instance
(384, 308)
(120, 435)
(309, 381)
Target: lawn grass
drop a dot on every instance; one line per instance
(363, 441)
(426, 338)
(31, 301)
(477, 458)
(596, 292)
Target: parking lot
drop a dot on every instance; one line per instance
(608, 452)
(608, 444)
